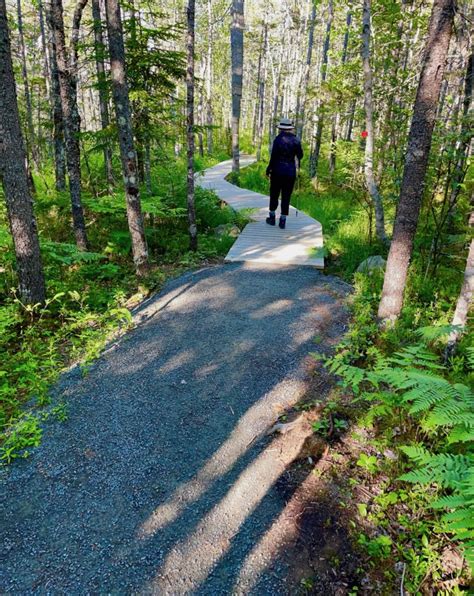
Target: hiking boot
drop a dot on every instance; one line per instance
(270, 220)
(282, 223)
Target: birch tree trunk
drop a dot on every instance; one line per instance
(58, 119)
(336, 117)
(333, 148)
(416, 160)
(124, 125)
(72, 120)
(209, 77)
(314, 157)
(99, 49)
(45, 50)
(15, 179)
(261, 95)
(369, 125)
(302, 95)
(237, 58)
(31, 146)
(190, 42)
(256, 104)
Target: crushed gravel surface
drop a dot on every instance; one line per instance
(163, 479)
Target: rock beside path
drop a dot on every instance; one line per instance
(371, 264)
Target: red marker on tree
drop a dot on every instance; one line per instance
(364, 134)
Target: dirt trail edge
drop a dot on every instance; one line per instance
(163, 479)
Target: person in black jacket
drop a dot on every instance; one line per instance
(282, 170)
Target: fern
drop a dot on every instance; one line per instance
(414, 380)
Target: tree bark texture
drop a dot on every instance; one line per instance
(191, 13)
(124, 126)
(15, 179)
(72, 121)
(416, 159)
(237, 59)
(369, 125)
(99, 49)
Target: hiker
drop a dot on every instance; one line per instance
(282, 170)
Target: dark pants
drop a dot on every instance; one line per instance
(284, 185)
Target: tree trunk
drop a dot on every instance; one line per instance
(314, 157)
(44, 48)
(99, 49)
(301, 101)
(209, 70)
(147, 166)
(416, 160)
(369, 125)
(261, 95)
(464, 300)
(345, 43)
(237, 55)
(256, 104)
(72, 120)
(276, 95)
(15, 179)
(58, 120)
(336, 118)
(31, 145)
(191, 13)
(200, 119)
(350, 123)
(124, 126)
(333, 149)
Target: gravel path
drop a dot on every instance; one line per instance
(163, 479)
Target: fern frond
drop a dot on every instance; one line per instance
(417, 356)
(431, 333)
(460, 434)
(449, 502)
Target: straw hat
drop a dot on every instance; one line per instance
(286, 124)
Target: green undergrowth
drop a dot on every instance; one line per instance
(90, 294)
(416, 412)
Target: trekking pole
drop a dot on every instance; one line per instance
(297, 191)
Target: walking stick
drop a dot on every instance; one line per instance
(297, 190)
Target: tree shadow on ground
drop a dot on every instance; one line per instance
(160, 480)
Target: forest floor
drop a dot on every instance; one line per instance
(165, 477)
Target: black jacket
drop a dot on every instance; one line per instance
(286, 147)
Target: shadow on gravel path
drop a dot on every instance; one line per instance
(163, 479)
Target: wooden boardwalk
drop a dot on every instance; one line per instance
(301, 243)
